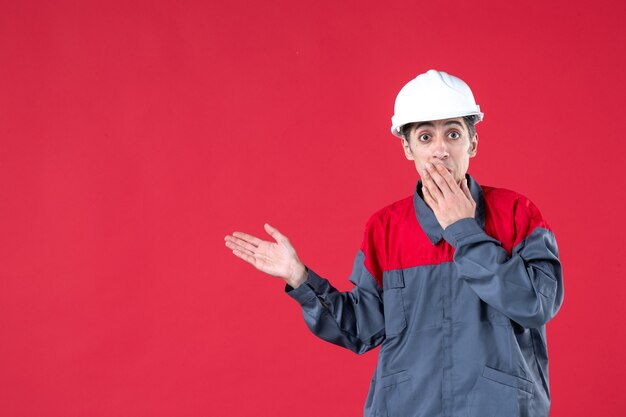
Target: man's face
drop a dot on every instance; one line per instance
(446, 142)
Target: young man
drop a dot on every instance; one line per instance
(456, 282)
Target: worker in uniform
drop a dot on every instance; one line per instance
(455, 283)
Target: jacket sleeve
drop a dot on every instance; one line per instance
(354, 319)
(525, 285)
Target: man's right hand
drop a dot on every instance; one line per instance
(275, 258)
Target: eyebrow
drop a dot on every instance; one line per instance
(421, 124)
(429, 124)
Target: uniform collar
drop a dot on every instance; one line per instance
(427, 219)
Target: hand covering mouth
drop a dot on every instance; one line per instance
(446, 167)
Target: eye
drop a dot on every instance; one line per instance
(424, 137)
(454, 135)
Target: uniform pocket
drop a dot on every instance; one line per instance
(395, 391)
(497, 393)
(393, 302)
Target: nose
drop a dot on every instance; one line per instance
(440, 150)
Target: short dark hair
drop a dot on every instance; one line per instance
(470, 122)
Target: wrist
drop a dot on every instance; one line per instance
(298, 276)
(452, 221)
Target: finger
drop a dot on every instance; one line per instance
(273, 232)
(466, 190)
(449, 179)
(428, 197)
(432, 187)
(438, 179)
(242, 244)
(246, 257)
(248, 238)
(433, 190)
(233, 246)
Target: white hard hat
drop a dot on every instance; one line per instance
(434, 95)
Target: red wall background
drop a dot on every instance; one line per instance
(134, 135)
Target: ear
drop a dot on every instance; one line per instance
(473, 146)
(407, 149)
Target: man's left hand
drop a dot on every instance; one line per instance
(449, 201)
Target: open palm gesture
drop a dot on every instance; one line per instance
(277, 258)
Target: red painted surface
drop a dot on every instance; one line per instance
(134, 135)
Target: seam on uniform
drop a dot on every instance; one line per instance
(419, 266)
